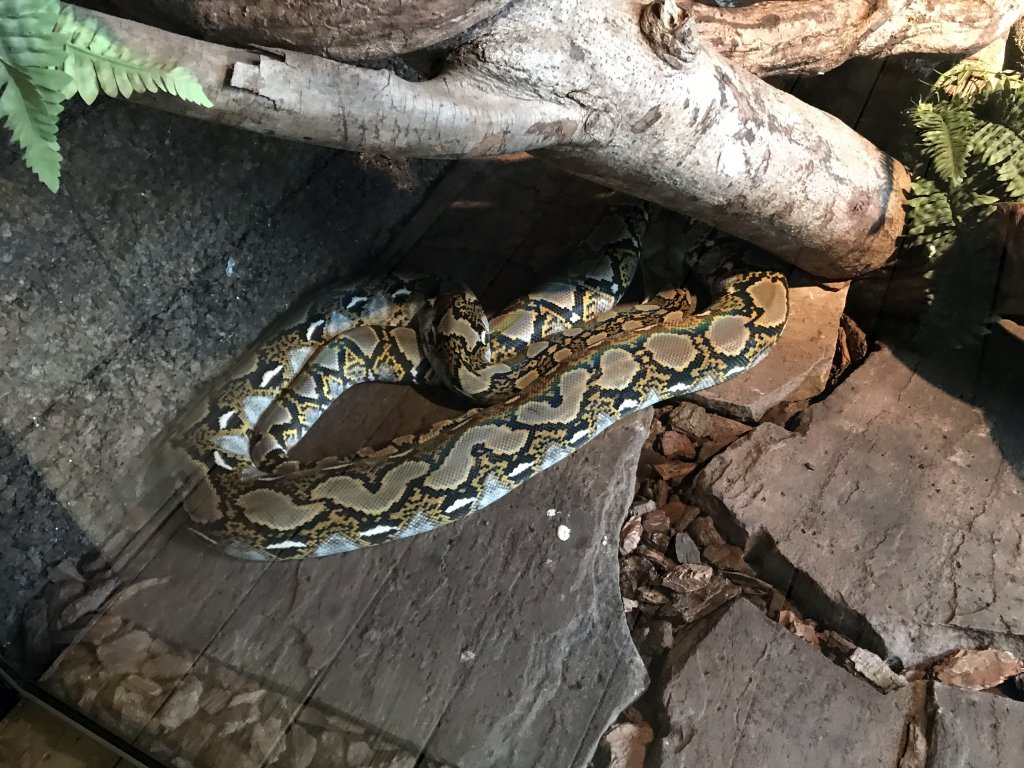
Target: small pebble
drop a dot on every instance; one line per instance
(563, 532)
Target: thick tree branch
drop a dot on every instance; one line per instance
(775, 37)
(656, 114)
(306, 98)
(769, 37)
(345, 30)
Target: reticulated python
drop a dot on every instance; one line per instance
(552, 372)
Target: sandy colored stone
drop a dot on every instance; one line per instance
(182, 705)
(125, 653)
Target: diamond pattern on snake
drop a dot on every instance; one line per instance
(548, 374)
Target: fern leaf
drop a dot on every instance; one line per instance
(96, 63)
(945, 133)
(1003, 150)
(30, 84)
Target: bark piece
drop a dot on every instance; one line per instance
(627, 744)
(765, 38)
(805, 36)
(798, 367)
(978, 670)
(349, 30)
(740, 691)
(756, 161)
(876, 670)
(675, 445)
(674, 471)
(975, 729)
(896, 516)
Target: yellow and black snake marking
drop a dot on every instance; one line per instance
(552, 372)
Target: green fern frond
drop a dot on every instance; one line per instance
(931, 222)
(945, 134)
(95, 62)
(30, 85)
(1003, 151)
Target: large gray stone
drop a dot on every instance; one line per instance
(902, 505)
(499, 640)
(975, 730)
(739, 691)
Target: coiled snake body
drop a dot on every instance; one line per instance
(552, 372)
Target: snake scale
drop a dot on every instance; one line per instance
(549, 374)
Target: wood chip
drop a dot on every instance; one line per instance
(651, 595)
(661, 493)
(657, 557)
(703, 531)
(656, 521)
(680, 514)
(876, 671)
(673, 471)
(694, 605)
(727, 557)
(690, 419)
(627, 744)
(978, 670)
(685, 550)
(836, 643)
(629, 539)
(805, 629)
(689, 577)
(676, 445)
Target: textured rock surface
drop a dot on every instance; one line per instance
(904, 501)
(978, 730)
(741, 691)
(169, 247)
(798, 367)
(490, 642)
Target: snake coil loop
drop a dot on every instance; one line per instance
(551, 372)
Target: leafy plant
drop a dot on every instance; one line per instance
(48, 56)
(969, 159)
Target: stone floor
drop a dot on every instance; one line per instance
(790, 570)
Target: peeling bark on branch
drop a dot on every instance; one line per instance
(310, 99)
(776, 37)
(578, 80)
(346, 30)
(770, 37)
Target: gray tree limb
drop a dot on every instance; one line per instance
(657, 114)
(776, 37)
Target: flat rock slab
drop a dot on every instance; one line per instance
(741, 691)
(160, 259)
(902, 505)
(496, 641)
(798, 367)
(978, 730)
